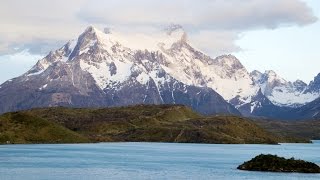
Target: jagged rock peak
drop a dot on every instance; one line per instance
(316, 79)
(107, 30)
(256, 73)
(176, 30)
(299, 83)
(270, 73)
(229, 60)
(172, 28)
(256, 76)
(272, 77)
(91, 29)
(314, 85)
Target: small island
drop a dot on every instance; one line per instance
(273, 163)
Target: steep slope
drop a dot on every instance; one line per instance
(285, 93)
(314, 85)
(105, 69)
(100, 70)
(308, 111)
(261, 106)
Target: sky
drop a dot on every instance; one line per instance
(279, 35)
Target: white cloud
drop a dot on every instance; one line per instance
(214, 25)
(208, 14)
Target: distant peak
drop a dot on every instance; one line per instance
(229, 60)
(90, 29)
(256, 72)
(228, 56)
(270, 73)
(256, 75)
(172, 28)
(317, 77)
(316, 80)
(299, 83)
(107, 30)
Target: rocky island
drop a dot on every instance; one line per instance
(273, 163)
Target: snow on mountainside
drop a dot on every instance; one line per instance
(109, 68)
(103, 55)
(281, 92)
(224, 74)
(106, 69)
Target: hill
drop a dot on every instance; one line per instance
(307, 129)
(22, 127)
(143, 123)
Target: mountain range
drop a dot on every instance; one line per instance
(108, 68)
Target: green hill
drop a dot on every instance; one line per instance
(22, 127)
(307, 129)
(141, 123)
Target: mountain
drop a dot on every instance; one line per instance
(285, 93)
(314, 86)
(109, 68)
(308, 111)
(102, 69)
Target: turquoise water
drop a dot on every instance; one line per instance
(145, 161)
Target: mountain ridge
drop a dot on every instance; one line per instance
(102, 69)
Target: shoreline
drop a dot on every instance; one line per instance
(115, 142)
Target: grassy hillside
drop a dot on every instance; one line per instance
(149, 123)
(308, 129)
(22, 127)
(162, 123)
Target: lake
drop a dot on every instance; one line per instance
(145, 161)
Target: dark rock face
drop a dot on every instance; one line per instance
(261, 106)
(65, 78)
(274, 163)
(314, 85)
(95, 71)
(81, 91)
(308, 111)
(299, 85)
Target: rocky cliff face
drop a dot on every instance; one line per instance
(98, 71)
(102, 69)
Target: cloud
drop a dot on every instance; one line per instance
(208, 14)
(215, 43)
(41, 25)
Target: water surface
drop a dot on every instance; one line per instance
(145, 161)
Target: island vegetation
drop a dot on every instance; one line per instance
(273, 163)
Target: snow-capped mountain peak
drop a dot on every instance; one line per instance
(170, 29)
(274, 78)
(114, 69)
(314, 85)
(229, 61)
(110, 58)
(110, 68)
(282, 92)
